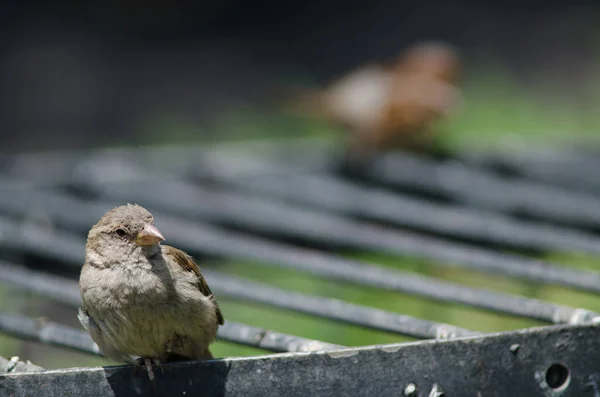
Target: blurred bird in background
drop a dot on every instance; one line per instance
(386, 107)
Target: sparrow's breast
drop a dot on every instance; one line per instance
(131, 307)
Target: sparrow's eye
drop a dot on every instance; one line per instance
(121, 232)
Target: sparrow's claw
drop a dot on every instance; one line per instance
(148, 365)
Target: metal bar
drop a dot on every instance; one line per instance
(66, 291)
(55, 334)
(333, 194)
(555, 167)
(293, 183)
(449, 178)
(523, 363)
(264, 214)
(64, 167)
(197, 237)
(334, 309)
(549, 165)
(270, 340)
(58, 289)
(487, 190)
(457, 182)
(48, 332)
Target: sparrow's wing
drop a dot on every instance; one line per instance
(187, 263)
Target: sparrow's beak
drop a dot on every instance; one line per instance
(149, 236)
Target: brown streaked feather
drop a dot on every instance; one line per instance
(186, 262)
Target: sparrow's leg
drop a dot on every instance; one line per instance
(148, 365)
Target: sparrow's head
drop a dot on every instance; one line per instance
(121, 231)
(434, 59)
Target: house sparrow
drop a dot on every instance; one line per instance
(144, 303)
(384, 107)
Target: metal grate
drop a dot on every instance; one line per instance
(290, 206)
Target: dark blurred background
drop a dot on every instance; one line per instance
(95, 73)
